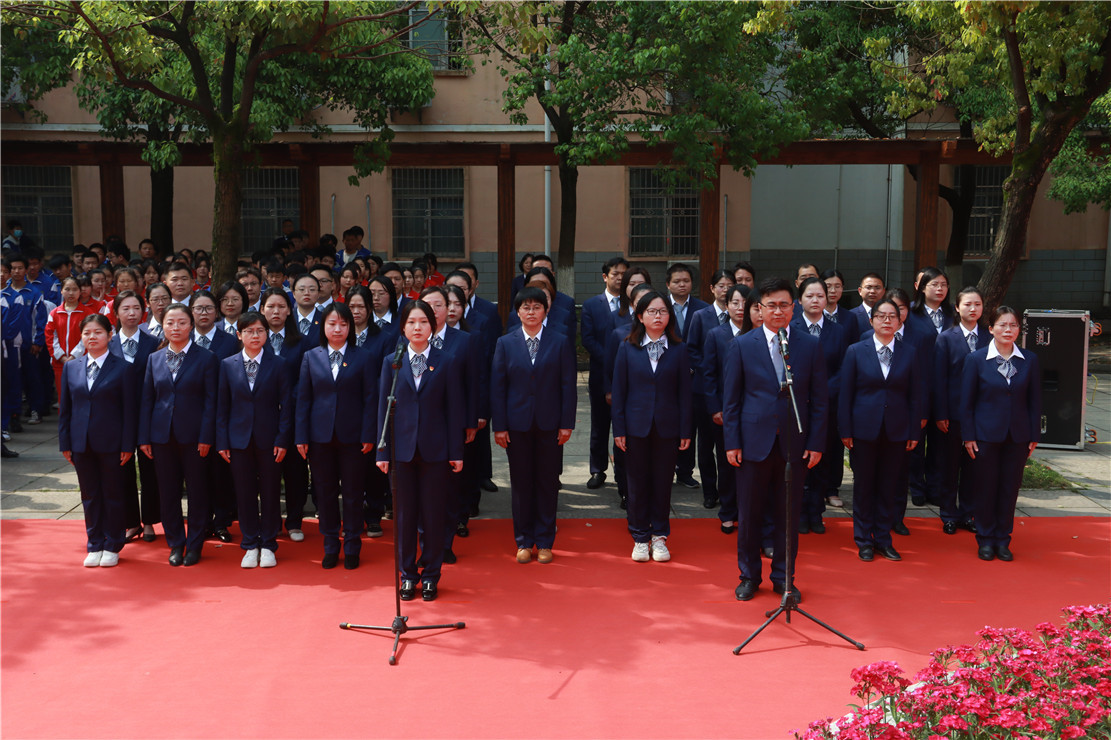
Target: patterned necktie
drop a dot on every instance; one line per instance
(533, 344)
(937, 318)
(832, 316)
(656, 350)
(381, 323)
(229, 328)
(93, 371)
(174, 360)
(361, 338)
(418, 364)
(898, 337)
(723, 317)
(437, 342)
(815, 330)
(885, 355)
(252, 371)
(276, 343)
(130, 347)
(614, 304)
(203, 342)
(777, 360)
(1006, 368)
(680, 313)
(157, 331)
(304, 325)
(335, 357)
(971, 339)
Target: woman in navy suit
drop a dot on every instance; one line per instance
(1001, 408)
(533, 401)
(952, 349)
(135, 346)
(254, 420)
(177, 428)
(335, 428)
(880, 408)
(426, 444)
(96, 433)
(651, 420)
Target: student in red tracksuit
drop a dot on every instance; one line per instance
(63, 335)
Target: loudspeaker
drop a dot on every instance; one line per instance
(1060, 340)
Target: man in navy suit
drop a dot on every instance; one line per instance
(680, 282)
(563, 306)
(306, 290)
(761, 434)
(871, 290)
(598, 322)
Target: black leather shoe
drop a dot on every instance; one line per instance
(223, 534)
(462, 530)
(177, 556)
(351, 562)
(489, 486)
(449, 557)
(596, 481)
(779, 588)
(986, 552)
(711, 503)
(918, 500)
(16, 425)
(804, 527)
(818, 528)
(867, 554)
(890, 553)
(686, 480)
(428, 591)
(149, 537)
(408, 590)
(6, 453)
(192, 557)
(949, 527)
(900, 528)
(331, 560)
(746, 590)
(967, 525)
(624, 502)
(728, 527)
(1004, 553)
(768, 552)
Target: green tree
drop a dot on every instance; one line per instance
(1082, 171)
(239, 71)
(607, 73)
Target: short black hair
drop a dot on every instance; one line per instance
(613, 262)
(345, 314)
(541, 271)
(775, 285)
(460, 273)
(679, 267)
(530, 294)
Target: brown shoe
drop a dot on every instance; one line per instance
(544, 555)
(523, 555)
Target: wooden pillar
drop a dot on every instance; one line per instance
(507, 227)
(709, 233)
(112, 219)
(926, 201)
(308, 178)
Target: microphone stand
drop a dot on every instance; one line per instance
(790, 602)
(400, 624)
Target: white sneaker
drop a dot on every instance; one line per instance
(34, 418)
(267, 559)
(250, 559)
(109, 559)
(641, 552)
(660, 553)
(835, 501)
(93, 559)
(296, 535)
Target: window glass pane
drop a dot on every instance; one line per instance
(41, 198)
(428, 212)
(663, 222)
(270, 196)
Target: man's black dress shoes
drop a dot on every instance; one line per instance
(968, 525)
(867, 553)
(331, 560)
(889, 552)
(686, 480)
(779, 588)
(949, 527)
(624, 502)
(449, 557)
(900, 528)
(489, 486)
(1004, 553)
(408, 590)
(192, 557)
(986, 552)
(597, 480)
(746, 590)
(804, 527)
(428, 591)
(462, 530)
(818, 528)
(710, 503)
(769, 552)
(351, 562)
(177, 556)
(223, 534)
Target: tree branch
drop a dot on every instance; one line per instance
(1018, 83)
(227, 77)
(865, 123)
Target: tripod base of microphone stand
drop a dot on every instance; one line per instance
(399, 627)
(786, 606)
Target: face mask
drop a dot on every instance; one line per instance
(17, 233)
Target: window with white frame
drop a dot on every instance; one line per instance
(436, 35)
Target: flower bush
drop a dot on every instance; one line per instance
(1054, 682)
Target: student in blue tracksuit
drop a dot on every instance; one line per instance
(335, 428)
(254, 430)
(97, 418)
(426, 444)
(881, 405)
(956, 493)
(652, 411)
(1001, 407)
(177, 428)
(532, 406)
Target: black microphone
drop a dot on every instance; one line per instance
(398, 353)
(782, 334)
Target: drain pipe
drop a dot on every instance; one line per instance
(724, 233)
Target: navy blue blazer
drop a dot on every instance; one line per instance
(340, 407)
(622, 327)
(524, 395)
(863, 317)
(292, 354)
(835, 343)
(851, 322)
(868, 401)
(183, 409)
(923, 340)
(223, 344)
(312, 336)
(990, 408)
(949, 356)
(715, 349)
(694, 305)
(467, 351)
(597, 322)
(703, 322)
(922, 321)
(754, 407)
(102, 419)
(642, 396)
(561, 314)
(147, 343)
(264, 412)
(429, 420)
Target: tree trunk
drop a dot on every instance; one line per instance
(228, 163)
(961, 207)
(162, 209)
(568, 218)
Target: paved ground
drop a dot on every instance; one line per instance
(41, 485)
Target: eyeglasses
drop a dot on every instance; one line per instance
(885, 317)
(656, 312)
(204, 309)
(776, 307)
(937, 284)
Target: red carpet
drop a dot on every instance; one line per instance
(592, 645)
